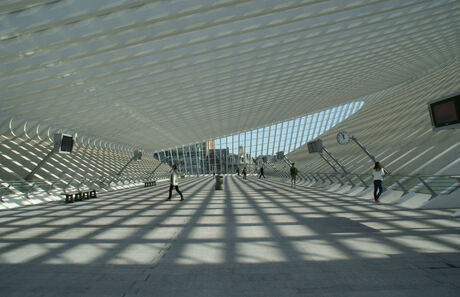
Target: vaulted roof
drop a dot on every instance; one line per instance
(157, 74)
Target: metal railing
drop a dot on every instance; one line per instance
(433, 185)
(64, 186)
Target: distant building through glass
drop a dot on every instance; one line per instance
(250, 148)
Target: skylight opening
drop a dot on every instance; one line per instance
(246, 149)
(289, 135)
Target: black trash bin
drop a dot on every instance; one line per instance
(219, 182)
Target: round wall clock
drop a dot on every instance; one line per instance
(343, 137)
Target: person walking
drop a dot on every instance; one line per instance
(378, 173)
(174, 183)
(293, 172)
(261, 172)
(238, 171)
(245, 173)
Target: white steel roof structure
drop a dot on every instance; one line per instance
(159, 74)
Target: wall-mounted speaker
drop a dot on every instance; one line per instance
(64, 142)
(280, 155)
(445, 112)
(315, 146)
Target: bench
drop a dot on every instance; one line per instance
(150, 183)
(79, 196)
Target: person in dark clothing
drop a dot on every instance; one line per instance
(293, 171)
(238, 171)
(245, 173)
(261, 172)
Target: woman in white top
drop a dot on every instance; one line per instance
(174, 183)
(378, 172)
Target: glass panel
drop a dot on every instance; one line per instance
(318, 124)
(247, 145)
(337, 116)
(224, 155)
(218, 156)
(312, 127)
(265, 140)
(300, 131)
(350, 109)
(344, 111)
(288, 132)
(281, 136)
(252, 144)
(234, 153)
(293, 137)
(227, 150)
(305, 131)
(184, 159)
(259, 142)
(331, 118)
(324, 122)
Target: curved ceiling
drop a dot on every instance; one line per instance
(158, 74)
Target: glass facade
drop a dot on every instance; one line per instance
(246, 149)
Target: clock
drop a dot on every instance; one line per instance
(343, 137)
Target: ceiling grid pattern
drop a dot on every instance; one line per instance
(397, 132)
(160, 74)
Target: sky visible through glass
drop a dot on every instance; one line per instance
(225, 154)
(288, 135)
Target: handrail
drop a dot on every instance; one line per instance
(432, 185)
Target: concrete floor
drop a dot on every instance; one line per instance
(254, 238)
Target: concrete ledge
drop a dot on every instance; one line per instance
(409, 200)
(19, 200)
(444, 201)
(413, 200)
(390, 196)
(333, 187)
(342, 189)
(355, 190)
(311, 183)
(366, 193)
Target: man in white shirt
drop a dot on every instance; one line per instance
(378, 173)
